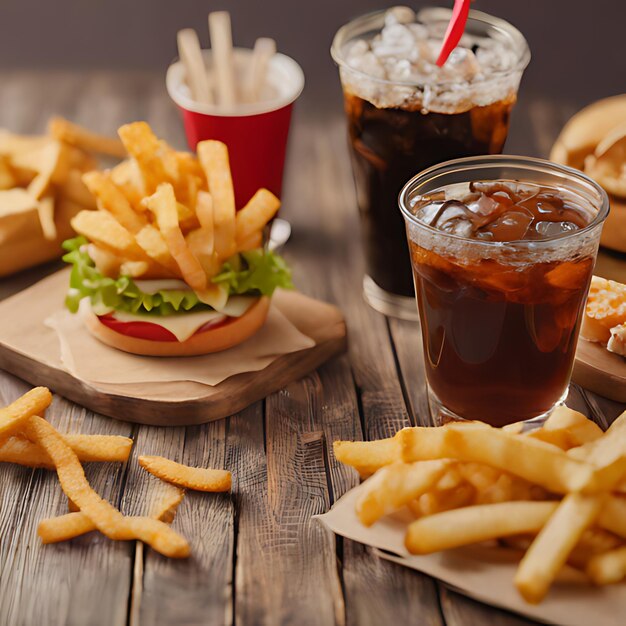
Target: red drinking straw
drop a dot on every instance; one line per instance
(455, 29)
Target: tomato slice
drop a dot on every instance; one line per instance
(149, 330)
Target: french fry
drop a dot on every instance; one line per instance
(75, 524)
(88, 448)
(14, 416)
(204, 210)
(156, 160)
(107, 263)
(593, 541)
(7, 178)
(163, 204)
(111, 199)
(165, 508)
(604, 450)
(13, 145)
(138, 269)
(64, 527)
(17, 200)
(251, 243)
(451, 478)
(202, 248)
(76, 135)
(554, 543)
(187, 218)
(127, 178)
(196, 478)
(105, 231)
(45, 209)
(474, 524)
(613, 516)
(536, 461)
(52, 164)
(75, 190)
(260, 209)
(213, 156)
(395, 485)
(439, 500)
(368, 456)
(152, 242)
(567, 429)
(608, 568)
(106, 518)
(480, 476)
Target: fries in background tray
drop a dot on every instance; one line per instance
(28, 439)
(557, 493)
(41, 189)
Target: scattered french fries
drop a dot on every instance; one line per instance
(75, 524)
(88, 448)
(554, 493)
(196, 478)
(28, 439)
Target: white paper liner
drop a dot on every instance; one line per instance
(90, 360)
(483, 573)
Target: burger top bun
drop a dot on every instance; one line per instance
(594, 141)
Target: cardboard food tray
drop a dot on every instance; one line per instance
(29, 349)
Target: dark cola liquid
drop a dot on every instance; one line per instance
(389, 146)
(500, 338)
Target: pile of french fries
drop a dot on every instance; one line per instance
(557, 493)
(28, 439)
(41, 189)
(167, 214)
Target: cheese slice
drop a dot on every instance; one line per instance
(164, 284)
(182, 325)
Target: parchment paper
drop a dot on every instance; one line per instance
(483, 573)
(88, 359)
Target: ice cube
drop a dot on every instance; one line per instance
(369, 64)
(510, 226)
(450, 210)
(428, 50)
(462, 227)
(419, 31)
(461, 65)
(395, 41)
(554, 229)
(399, 70)
(485, 205)
(399, 15)
(356, 50)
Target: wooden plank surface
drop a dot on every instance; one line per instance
(258, 557)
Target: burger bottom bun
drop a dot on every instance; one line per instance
(234, 332)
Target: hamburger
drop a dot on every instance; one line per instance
(166, 266)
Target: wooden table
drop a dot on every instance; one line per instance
(257, 555)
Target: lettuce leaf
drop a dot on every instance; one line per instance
(252, 273)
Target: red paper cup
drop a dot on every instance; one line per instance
(255, 133)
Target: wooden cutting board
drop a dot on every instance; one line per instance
(30, 350)
(599, 370)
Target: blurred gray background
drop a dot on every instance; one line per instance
(578, 48)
